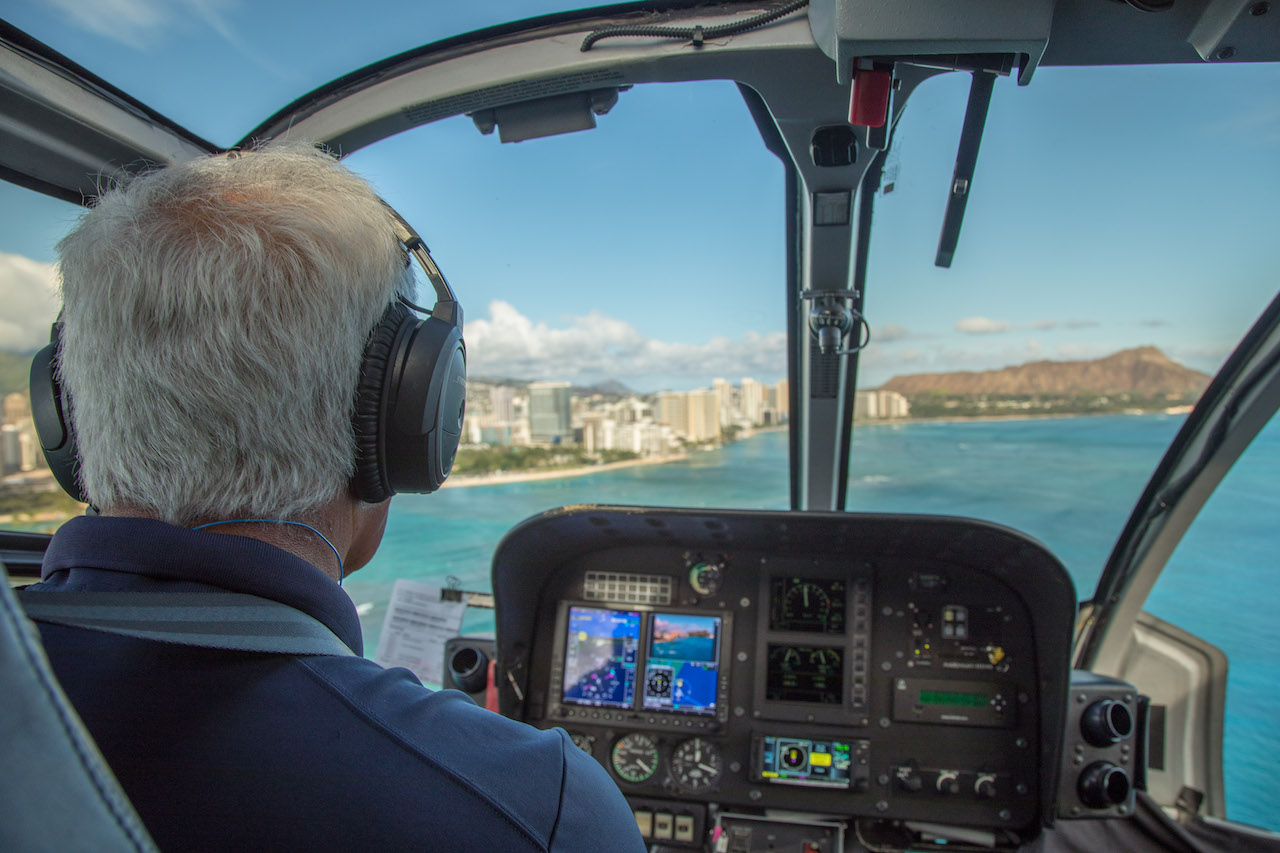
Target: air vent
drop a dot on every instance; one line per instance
(624, 588)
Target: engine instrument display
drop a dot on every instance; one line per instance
(805, 674)
(807, 604)
(682, 670)
(601, 648)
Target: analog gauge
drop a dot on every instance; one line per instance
(583, 742)
(696, 766)
(807, 601)
(705, 577)
(635, 757)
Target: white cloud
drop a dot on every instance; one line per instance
(890, 332)
(981, 326)
(594, 346)
(139, 24)
(28, 294)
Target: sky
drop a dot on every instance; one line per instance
(1111, 208)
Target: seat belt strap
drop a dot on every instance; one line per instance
(210, 620)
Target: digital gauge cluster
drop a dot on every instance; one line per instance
(876, 668)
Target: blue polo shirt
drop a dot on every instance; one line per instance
(222, 750)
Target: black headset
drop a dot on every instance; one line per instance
(410, 398)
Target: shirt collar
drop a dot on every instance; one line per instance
(159, 550)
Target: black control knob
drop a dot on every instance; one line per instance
(908, 778)
(1105, 722)
(985, 786)
(1103, 784)
(469, 668)
(948, 782)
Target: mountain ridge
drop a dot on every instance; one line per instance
(1141, 370)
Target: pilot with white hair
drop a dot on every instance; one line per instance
(242, 383)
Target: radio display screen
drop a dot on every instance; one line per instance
(681, 672)
(600, 652)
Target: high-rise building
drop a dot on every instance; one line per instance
(549, 412)
(10, 449)
(502, 403)
(17, 409)
(879, 404)
(703, 419)
(673, 410)
(752, 395)
(783, 393)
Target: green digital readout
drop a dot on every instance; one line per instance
(963, 700)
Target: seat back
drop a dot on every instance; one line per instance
(56, 791)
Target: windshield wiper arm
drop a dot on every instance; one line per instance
(975, 121)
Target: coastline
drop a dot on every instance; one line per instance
(500, 479)
(463, 481)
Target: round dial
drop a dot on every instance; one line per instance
(807, 601)
(705, 577)
(696, 766)
(659, 683)
(635, 757)
(583, 742)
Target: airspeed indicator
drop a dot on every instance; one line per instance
(635, 758)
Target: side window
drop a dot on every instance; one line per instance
(30, 498)
(1221, 585)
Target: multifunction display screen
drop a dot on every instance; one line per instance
(807, 604)
(632, 660)
(600, 657)
(681, 673)
(805, 674)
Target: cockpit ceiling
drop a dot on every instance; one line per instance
(61, 124)
(478, 72)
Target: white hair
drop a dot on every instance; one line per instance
(215, 314)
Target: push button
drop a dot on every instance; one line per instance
(662, 826)
(684, 827)
(644, 821)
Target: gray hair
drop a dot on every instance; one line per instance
(215, 314)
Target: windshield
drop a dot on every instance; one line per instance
(1090, 237)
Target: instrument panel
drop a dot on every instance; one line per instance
(874, 668)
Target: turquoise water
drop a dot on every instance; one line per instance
(1069, 482)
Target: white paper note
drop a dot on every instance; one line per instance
(417, 626)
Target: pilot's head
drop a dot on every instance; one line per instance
(215, 315)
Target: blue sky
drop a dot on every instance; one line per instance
(1111, 207)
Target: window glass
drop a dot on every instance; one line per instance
(1087, 240)
(622, 289)
(30, 225)
(1220, 584)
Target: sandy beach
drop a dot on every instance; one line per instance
(462, 481)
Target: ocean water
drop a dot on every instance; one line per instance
(1068, 482)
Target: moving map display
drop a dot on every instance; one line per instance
(600, 654)
(682, 670)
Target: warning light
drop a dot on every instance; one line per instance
(820, 759)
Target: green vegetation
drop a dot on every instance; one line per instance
(17, 505)
(938, 405)
(498, 458)
(15, 372)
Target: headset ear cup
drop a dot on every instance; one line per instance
(53, 427)
(430, 399)
(370, 482)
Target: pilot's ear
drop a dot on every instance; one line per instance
(368, 522)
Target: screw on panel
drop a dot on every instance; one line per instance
(882, 806)
(1259, 9)
(1225, 53)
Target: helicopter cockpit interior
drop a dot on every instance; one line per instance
(810, 680)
